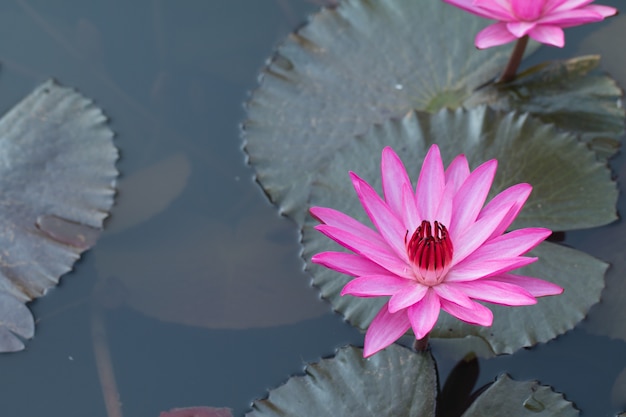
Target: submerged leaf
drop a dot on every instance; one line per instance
(394, 382)
(149, 191)
(571, 189)
(57, 180)
(351, 67)
(212, 274)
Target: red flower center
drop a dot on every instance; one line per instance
(430, 251)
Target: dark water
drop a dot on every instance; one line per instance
(172, 77)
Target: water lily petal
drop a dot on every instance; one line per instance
(476, 235)
(535, 286)
(510, 200)
(493, 35)
(385, 329)
(519, 29)
(496, 9)
(556, 6)
(376, 286)
(430, 185)
(482, 11)
(348, 263)
(515, 243)
(390, 227)
(527, 10)
(550, 35)
(496, 292)
(605, 11)
(451, 293)
(394, 179)
(479, 314)
(336, 218)
(424, 314)
(411, 215)
(470, 198)
(471, 271)
(407, 296)
(382, 255)
(572, 18)
(457, 172)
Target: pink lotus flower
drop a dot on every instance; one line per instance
(542, 20)
(437, 247)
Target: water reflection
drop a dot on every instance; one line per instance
(172, 76)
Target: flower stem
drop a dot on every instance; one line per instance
(516, 58)
(421, 345)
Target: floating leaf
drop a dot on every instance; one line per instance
(506, 397)
(351, 67)
(515, 327)
(16, 321)
(570, 190)
(568, 94)
(394, 382)
(57, 181)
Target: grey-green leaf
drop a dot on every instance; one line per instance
(569, 94)
(581, 276)
(394, 382)
(510, 398)
(571, 190)
(57, 180)
(351, 67)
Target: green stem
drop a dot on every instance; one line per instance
(516, 58)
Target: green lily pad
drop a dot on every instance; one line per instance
(351, 67)
(366, 61)
(515, 327)
(569, 94)
(57, 181)
(571, 190)
(396, 382)
(507, 397)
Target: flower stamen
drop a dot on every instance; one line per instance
(430, 251)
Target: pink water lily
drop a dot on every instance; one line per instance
(542, 20)
(436, 247)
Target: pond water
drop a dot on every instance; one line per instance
(195, 261)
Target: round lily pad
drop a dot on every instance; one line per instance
(351, 67)
(57, 181)
(571, 189)
(395, 382)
